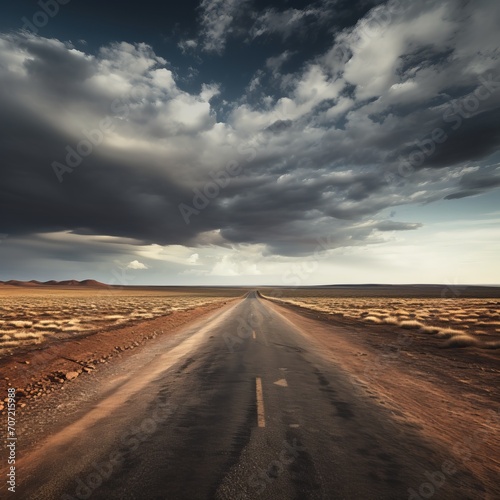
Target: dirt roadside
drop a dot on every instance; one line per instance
(451, 396)
(39, 372)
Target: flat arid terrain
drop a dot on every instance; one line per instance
(32, 315)
(231, 393)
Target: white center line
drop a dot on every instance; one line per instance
(254, 336)
(261, 418)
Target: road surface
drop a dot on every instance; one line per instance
(244, 405)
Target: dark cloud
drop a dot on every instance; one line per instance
(279, 126)
(55, 65)
(481, 179)
(461, 194)
(390, 225)
(474, 138)
(314, 148)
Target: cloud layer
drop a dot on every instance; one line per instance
(400, 109)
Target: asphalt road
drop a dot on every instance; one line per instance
(243, 406)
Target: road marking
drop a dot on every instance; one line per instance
(254, 336)
(294, 426)
(261, 418)
(281, 383)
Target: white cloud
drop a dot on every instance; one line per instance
(217, 19)
(378, 45)
(187, 45)
(163, 79)
(288, 22)
(136, 265)
(235, 265)
(310, 88)
(193, 258)
(275, 63)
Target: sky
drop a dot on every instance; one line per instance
(250, 142)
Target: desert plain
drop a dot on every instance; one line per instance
(426, 358)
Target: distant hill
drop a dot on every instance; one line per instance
(69, 283)
(93, 283)
(22, 283)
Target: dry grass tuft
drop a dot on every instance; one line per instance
(373, 319)
(20, 324)
(391, 320)
(461, 341)
(10, 343)
(411, 324)
(446, 333)
(27, 336)
(429, 329)
(492, 345)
